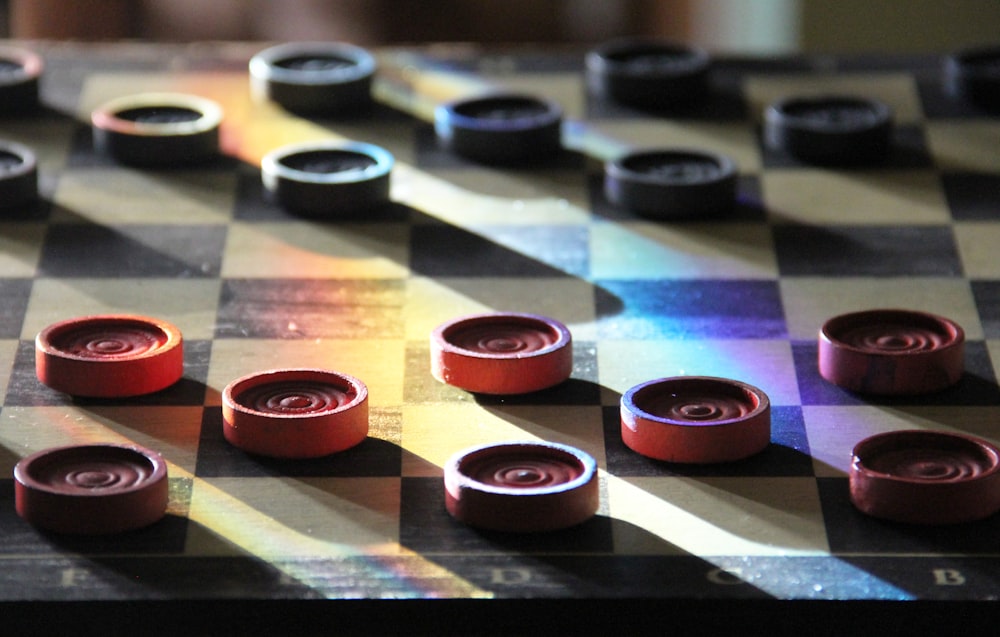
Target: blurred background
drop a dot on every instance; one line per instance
(737, 26)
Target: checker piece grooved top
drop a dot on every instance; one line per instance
(891, 352)
(974, 75)
(323, 179)
(663, 184)
(834, 130)
(91, 489)
(295, 413)
(314, 77)
(521, 486)
(649, 74)
(501, 128)
(109, 356)
(502, 353)
(925, 477)
(695, 419)
(20, 70)
(158, 129)
(18, 175)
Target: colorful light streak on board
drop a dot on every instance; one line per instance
(252, 129)
(227, 524)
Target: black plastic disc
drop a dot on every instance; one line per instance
(18, 175)
(314, 77)
(837, 130)
(320, 179)
(650, 74)
(158, 129)
(501, 129)
(20, 70)
(974, 75)
(671, 183)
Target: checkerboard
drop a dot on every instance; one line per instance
(253, 287)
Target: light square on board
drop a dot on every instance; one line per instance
(20, 248)
(977, 244)
(648, 250)
(189, 304)
(306, 250)
(122, 196)
(294, 517)
(297, 309)
(566, 89)
(884, 197)
(965, 145)
(490, 196)
(717, 516)
(170, 431)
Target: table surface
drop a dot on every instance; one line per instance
(361, 540)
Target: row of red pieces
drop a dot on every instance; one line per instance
(924, 477)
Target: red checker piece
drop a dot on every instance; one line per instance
(926, 477)
(696, 419)
(295, 413)
(502, 353)
(521, 487)
(891, 352)
(109, 356)
(91, 489)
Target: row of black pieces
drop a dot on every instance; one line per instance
(330, 77)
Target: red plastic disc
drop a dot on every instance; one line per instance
(502, 353)
(91, 489)
(926, 477)
(109, 356)
(891, 352)
(696, 419)
(521, 486)
(295, 413)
